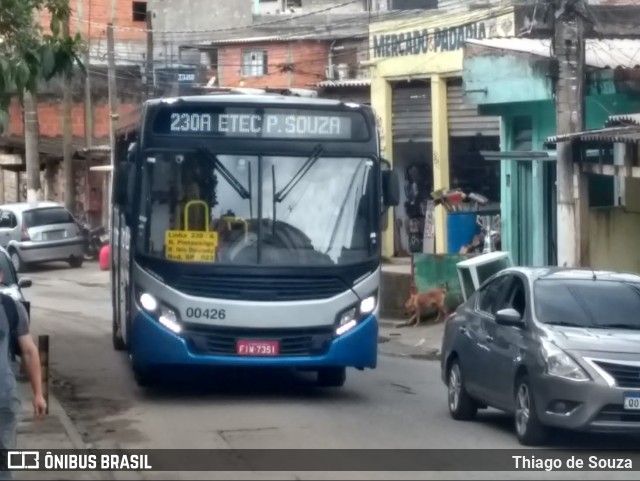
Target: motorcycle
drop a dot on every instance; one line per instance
(94, 240)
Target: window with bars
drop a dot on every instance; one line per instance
(139, 11)
(254, 63)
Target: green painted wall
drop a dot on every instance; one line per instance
(527, 199)
(516, 85)
(432, 271)
(500, 79)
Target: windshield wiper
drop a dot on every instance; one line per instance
(228, 176)
(311, 160)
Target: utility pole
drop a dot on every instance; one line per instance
(572, 189)
(67, 140)
(88, 108)
(31, 147)
(113, 110)
(149, 71)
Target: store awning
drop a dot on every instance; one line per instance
(518, 155)
(344, 83)
(623, 120)
(606, 53)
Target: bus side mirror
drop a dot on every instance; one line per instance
(390, 186)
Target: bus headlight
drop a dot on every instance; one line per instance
(368, 305)
(148, 302)
(350, 318)
(347, 321)
(169, 320)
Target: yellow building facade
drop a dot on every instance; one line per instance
(429, 49)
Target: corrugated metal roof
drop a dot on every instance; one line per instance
(600, 53)
(622, 120)
(51, 146)
(96, 149)
(344, 83)
(279, 38)
(231, 41)
(611, 134)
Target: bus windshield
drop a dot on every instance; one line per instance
(307, 211)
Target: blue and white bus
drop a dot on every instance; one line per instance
(247, 232)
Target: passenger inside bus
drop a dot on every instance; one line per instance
(192, 180)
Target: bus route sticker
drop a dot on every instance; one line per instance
(191, 246)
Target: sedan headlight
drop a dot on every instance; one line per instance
(560, 364)
(350, 318)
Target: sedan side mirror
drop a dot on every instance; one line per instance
(509, 317)
(24, 283)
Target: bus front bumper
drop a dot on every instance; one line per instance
(155, 345)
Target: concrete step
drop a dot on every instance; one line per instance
(395, 287)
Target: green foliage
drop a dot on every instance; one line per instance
(28, 54)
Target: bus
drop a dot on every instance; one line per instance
(246, 231)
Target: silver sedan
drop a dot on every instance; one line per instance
(555, 347)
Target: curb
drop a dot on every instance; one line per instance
(390, 324)
(70, 429)
(427, 356)
(57, 410)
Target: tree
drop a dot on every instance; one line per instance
(28, 56)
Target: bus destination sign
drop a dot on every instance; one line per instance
(263, 123)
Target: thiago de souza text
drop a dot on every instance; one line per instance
(596, 463)
(80, 462)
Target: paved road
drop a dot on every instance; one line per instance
(399, 405)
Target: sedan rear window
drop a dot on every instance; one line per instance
(48, 216)
(588, 303)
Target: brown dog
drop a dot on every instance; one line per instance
(417, 304)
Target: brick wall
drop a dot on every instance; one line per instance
(89, 17)
(308, 60)
(50, 118)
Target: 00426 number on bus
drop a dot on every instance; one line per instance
(197, 313)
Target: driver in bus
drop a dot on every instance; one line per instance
(191, 176)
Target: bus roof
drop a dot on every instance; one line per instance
(130, 121)
(269, 99)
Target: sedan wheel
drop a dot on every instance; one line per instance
(529, 430)
(461, 406)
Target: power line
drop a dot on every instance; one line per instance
(429, 35)
(226, 29)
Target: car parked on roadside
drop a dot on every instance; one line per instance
(556, 347)
(10, 283)
(45, 232)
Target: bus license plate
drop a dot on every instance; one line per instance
(632, 401)
(257, 348)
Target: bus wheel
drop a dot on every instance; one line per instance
(144, 376)
(332, 376)
(118, 342)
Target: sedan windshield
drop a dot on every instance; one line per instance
(588, 303)
(212, 208)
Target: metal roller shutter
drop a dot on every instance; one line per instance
(464, 120)
(411, 112)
